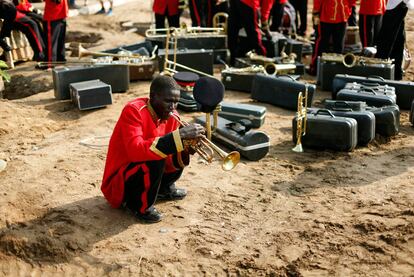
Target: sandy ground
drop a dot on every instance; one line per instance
(289, 214)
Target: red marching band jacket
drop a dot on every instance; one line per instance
(372, 7)
(333, 11)
(264, 5)
(159, 6)
(55, 11)
(139, 136)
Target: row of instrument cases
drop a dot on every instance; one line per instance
(343, 125)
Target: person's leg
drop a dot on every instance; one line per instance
(233, 29)
(159, 21)
(377, 28)
(397, 52)
(321, 45)
(303, 14)
(277, 15)
(8, 14)
(174, 20)
(338, 37)
(111, 4)
(60, 50)
(30, 28)
(352, 20)
(168, 191)
(194, 14)
(102, 10)
(250, 22)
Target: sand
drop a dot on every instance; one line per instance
(317, 213)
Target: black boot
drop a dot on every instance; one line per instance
(3, 44)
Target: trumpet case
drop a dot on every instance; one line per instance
(327, 131)
(327, 71)
(412, 113)
(365, 122)
(237, 81)
(373, 95)
(281, 91)
(117, 76)
(237, 111)
(404, 90)
(387, 120)
(91, 94)
(252, 145)
(342, 104)
(201, 60)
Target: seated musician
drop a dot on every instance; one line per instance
(147, 152)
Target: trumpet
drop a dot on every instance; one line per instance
(301, 116)
(220, 20)
(84, 52)
(351, 60)
(206, 149)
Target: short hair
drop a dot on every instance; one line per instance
(163, 84)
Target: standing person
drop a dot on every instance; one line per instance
(276, 13)
(202, 11)
(370, 21)
(103, 11)
(8, 14)
(54, 26)
(391, 37)
(147, 152)
(166, 9)
(301, 7)
(331, 19)
(28, 21)
(246, 14)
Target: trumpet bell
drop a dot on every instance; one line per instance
(230, 161)
(298, 148)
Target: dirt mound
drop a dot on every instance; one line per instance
(22, 86)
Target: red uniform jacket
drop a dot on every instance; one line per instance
(139, 136)
(19, 15)
(24, 6)
(333, 11)
(264, 5)
(160, 6)
(372, 7)
(55, 11)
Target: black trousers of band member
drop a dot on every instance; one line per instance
(301, 7)
(134, 196)
(369, 28)
(32, 30)
(391, 38)
(243, 16)
(352, 19)
(173, 20)
(322, 44)
(55, 33)
(8, 14)
(277, 15)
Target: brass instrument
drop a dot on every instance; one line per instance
(270, 69)
(84, 52)
(301, 118)
(285, 58)
(206, 148)
(350, 60)
(259, 58)
(220, 20)
(184, 31)
(170, 66)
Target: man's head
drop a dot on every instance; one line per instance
(164, 96)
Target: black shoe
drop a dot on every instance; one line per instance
(152, 216)
(101, 11)
(4, 45)
(175, 194)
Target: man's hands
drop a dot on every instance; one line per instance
(192, 131)
(316, 18)
(266, 30)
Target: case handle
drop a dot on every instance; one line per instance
(286, 75)
(376, 77)
(342, 105)
(326, 112)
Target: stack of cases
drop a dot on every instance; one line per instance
(236, 111)
(253, 145)
(372, 94)
(281, 91)
(327, 71)
(326, 131)
(91, 94)
(404, 90)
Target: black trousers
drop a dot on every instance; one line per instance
(301, 7)
(141, 189)
(391, 37)
(352, 20)
(243, 16)
(32, 30)
(326, 31)
(8, 14)
(369, 28)
(55, 32)
(277, 15)
(173, 20)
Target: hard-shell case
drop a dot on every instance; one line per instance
(387, 120)
(236, 111)
(91, 94)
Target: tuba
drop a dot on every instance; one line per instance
(206, 149)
